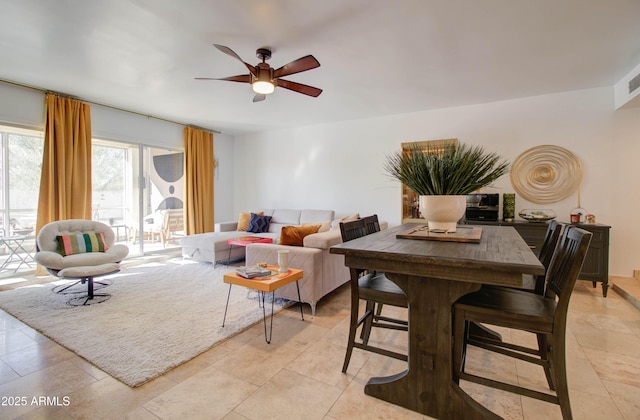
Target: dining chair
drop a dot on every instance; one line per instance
(372, 225)
(531, 283)
(543, 315)
(375, 289)
(548, 247)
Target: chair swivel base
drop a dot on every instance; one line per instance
(86, 275)
(69, 288)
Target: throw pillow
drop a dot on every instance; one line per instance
(83, 242)
(259, 223)
(351, 218)
(324, 226)
(244, 219)
(294, 235)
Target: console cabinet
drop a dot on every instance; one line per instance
(596, 263)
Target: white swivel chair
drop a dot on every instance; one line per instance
(81, 250)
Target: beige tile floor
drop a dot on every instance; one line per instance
(298, 374)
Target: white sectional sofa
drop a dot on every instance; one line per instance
(212, 246)
(323, 272)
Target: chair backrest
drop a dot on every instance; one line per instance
(353, 229)
(371, 224)
(173, 220)
(551, 239)
(566, 265)
(357, 229)
(47, 241)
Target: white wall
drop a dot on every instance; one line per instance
(223, 179)
(21, 106)
(340, 166)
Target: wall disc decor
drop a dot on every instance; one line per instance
(546, 174)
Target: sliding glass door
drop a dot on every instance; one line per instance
(138, 191)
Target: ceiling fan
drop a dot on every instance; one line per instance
(264, 78)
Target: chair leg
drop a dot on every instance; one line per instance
(353, 327)
(368, 322)
(543, 347)
(91, 297)
(64, 288)
(559, 370)
(379, 309)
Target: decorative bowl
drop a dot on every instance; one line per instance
(537, 216)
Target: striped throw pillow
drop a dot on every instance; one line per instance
(84, 242)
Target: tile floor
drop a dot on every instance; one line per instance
(298, 374)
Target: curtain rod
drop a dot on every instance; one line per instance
(9, 82)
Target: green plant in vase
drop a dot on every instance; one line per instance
(442, 177)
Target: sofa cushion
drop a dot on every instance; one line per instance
(259, 223)
(324, 226)
(286, 216)
(336, 223)
(323, 240)
(294, 235)
(315, 216)
(80, 243)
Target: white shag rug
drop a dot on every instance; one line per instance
(159, 316)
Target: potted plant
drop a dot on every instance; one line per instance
(443, 177)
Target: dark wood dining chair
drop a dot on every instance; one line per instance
(545, 316)
(534, 284)
(551, 239)
(375, 289)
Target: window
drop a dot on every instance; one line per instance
(21, 163)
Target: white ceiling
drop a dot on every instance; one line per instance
(377, 57)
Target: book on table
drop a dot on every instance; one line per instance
(251, 272)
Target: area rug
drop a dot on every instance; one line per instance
(159, 316)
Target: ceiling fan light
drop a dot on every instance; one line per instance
(263, 87)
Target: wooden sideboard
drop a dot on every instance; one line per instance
(596, 263)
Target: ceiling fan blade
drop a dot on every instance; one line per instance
(301, 64)
(259, 97)
(242, 78)
(299, 87)
(230, 52)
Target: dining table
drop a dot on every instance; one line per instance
(434, 273)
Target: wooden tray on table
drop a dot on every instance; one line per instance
(471, 234)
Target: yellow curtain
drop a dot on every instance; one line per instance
(198, 191)
(65, 184)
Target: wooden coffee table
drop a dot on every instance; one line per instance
(244, 241)
(265, 285)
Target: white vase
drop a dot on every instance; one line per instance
(442, 212)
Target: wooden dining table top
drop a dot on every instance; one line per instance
(501, 257)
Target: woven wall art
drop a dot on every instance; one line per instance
(546, 174)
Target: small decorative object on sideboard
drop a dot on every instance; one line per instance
(590, 219)
(537, 216)
(578, 215)
(508, 206)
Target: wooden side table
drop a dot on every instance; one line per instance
(265, 285)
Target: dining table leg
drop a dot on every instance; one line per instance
(427, 385)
